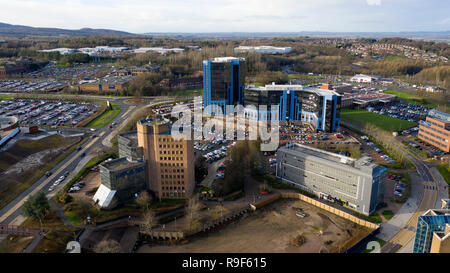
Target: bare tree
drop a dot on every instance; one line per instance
(108, 246)
(143, 200)
(149, 221)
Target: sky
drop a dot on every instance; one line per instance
(141, 16)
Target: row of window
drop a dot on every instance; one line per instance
(169, 176)
(180, 146)
(172, 194)
(172, 170)
(164, 139)
(168, 152)
(437, 143)
(171, 158)
(171, 164)
(437, 131)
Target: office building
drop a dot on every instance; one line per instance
(223, 82)
(122, 180)
(433, 230)
(354, 183)
(436, 130)
(170, 162)
(319, 107)
(128, 146)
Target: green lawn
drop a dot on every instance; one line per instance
(444, 169)
(74, 218)
(6, 98)
(375, 218)
(381, 121)
(187, 93)
(105, 118)
(411, 98)
(388, 214)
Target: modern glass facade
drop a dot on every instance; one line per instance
(427, 225)
(223, 82)
(319, 107)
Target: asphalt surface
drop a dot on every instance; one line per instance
(13, 209)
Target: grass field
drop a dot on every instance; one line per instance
(11, 187)
(186, 93)
(411, 98)
(445, 172)
(388, 214)
(105, 118)
(381, 121)
(5, 98)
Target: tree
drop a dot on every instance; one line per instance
(149, 221)
(108, 246)
(143, 200)
(36, 207)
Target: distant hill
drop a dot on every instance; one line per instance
(23, 31)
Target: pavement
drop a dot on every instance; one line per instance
(11, 213)
(209, 179)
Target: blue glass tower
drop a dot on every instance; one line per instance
(223, 82)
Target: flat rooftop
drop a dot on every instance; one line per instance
(360, 163)
(226, 59)
(445, 117)
(118, 164)
(291, 87)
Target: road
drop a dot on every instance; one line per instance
(9, 213)
(12, 212)
(431, 188)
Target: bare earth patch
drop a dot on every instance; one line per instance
(274, 229)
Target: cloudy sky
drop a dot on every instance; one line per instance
(139, 16)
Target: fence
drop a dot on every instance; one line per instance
(18, 231)
(9, 137)
(318, 204)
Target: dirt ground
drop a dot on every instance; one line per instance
(273, 229)
(92, 180)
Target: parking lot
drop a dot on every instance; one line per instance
(21, 86)
(76, 72)
(406, 111)
(50, 113)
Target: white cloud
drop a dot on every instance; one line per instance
(141, 16)
(373, 2)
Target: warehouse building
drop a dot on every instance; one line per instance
(354, 183)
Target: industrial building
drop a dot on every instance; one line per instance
(170, 162)
(317, 106)
(361, 78)
(433, 230)
(436, 130)
(263, 49)
(223, 82)
(354, 183)
(105, 85)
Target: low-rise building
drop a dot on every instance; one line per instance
(122, 180)
(186, 83)
(354, 183)
(361, 78)
(436, 130)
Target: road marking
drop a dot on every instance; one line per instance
(128, 111)
(46, 182)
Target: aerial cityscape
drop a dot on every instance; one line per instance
(243, 130)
